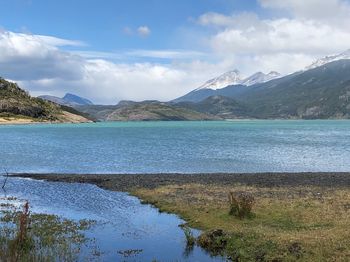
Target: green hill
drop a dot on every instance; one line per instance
(156, 111)
(15, 103)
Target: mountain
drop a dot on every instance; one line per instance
(76, 100)
(260, 77)
(229, 78)
(328, 59)
(99, 112)
(17, 104)
(67, 100)
(322, 92)
(144, 111)
(319, 93)
(232, 78)
(221, 106)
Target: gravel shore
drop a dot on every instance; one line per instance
(126, 182)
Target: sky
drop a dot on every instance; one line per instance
(115, 50)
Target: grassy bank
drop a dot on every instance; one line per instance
(287, 224)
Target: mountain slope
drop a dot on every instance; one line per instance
(76, 100)
(68, 100)
(322, 92)
(215, 86)
(319, 93)
(229, 78)
(221, 106)
(260, 77)
(156, 111)
(143, 111)
(329, 59)
(15, 103)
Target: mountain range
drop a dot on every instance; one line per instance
(320, 91)
(234, 78)
(67, 100)
(144, 111)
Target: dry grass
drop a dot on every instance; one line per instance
(311, 220)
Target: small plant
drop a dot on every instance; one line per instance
(22, 243)
(23, 225)
(213, 241)
(241, 206)
(190, 239)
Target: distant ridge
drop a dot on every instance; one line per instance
(144, 111)
(68, 100)
(231, 78)
(328, 59)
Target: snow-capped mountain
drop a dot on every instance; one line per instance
(234, 78)
(229, 78)
(260, 78)
(329, 59)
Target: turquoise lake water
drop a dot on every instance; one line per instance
(122, 222)
(189, 147)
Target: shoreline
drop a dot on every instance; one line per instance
(5, 122)
(26, 122)
(128, 182)
(292, 217)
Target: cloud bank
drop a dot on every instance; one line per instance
(38, 65)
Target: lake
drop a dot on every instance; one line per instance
(177, 147)
(156, 147)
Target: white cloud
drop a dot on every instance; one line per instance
(55, 41)
(143, 31)
(106, 82)
(31, 57)
(324, 10)
(299, 32)
(45, 69)
(215, 19)
(142, 53)
(165, 54)
(281, 36)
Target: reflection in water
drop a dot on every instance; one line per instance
(125, 228)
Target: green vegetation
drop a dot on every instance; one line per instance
(286, 224)
(148, 111)
(16, 103)
(39, 237)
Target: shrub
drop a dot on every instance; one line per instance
(241, 206)
(213, 241)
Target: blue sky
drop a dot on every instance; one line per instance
(102, 24)
(110, 50)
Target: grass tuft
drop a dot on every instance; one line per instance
(241, 206)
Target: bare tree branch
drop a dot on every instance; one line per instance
(6, 177)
